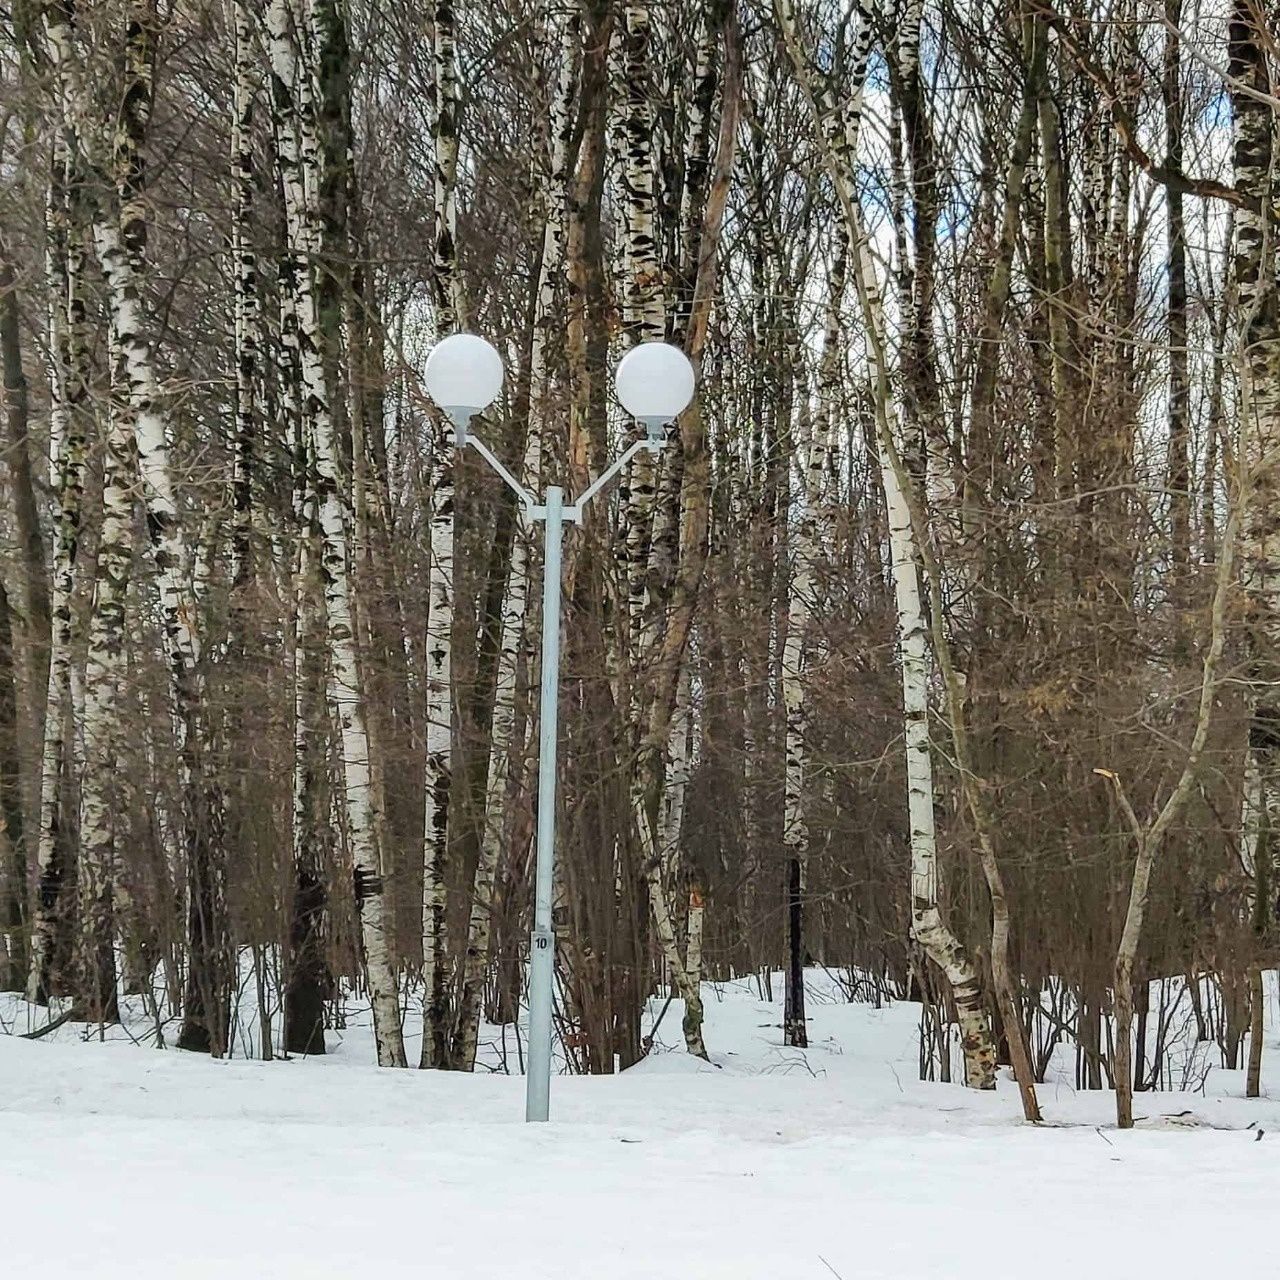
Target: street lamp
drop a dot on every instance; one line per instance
(463, 376)
(654, 383)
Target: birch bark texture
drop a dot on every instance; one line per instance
(515, 647)
(299, 159)
(838, 136)
(645, 505)
(66, 234)
(246, 305)
(440, 710)
(643, 316)
(808, 552)
(662, 612)
(1255, 152)
(119, 232)
(101, 796)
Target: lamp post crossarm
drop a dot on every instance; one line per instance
(530, 503)
(574, 512)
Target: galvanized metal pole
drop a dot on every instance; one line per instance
(542, 954)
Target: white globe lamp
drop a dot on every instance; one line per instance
(463, 376)
(655, 384)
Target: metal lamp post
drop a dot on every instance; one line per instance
(654, 383)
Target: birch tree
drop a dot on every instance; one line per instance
(1252, 71)
(664, 745)
(643, 312)
(838, 137)
(246, 306)
(515, 645)
(450, 315)
(650, 503)
(66, 233)
(298, 158)
(807, 553)
(105, 678)
(119, 233)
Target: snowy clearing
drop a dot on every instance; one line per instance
(121, 1161)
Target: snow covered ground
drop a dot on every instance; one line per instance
(120, 1161)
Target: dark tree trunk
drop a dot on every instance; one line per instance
(309, 981)
(13, 861)
(1179, 464)
(207, 1002)
(795, 1028)
(17, 403)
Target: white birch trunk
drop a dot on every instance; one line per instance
(1259, 371)
(244, 266)
(514, 641)
(697, 162)
(439, 734)
(105, 905)
(299, 161)
(105, 675)
(209, 978)
(663, 875)
(1256, 150)
(682, 539)
(801, 603)
(679, 770)
(451, 315)
(927, 925)
(693, 948)
(838, 133)
(642, 304)
(685, 978)
(643, 321)
(65, 264)
(152, 442)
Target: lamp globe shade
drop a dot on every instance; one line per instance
(463, 373)
(654, 382)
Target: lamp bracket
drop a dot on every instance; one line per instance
(461, 419)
